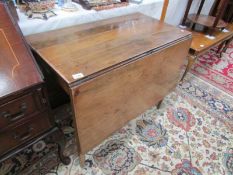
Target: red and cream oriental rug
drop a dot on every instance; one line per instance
(191, 134)
(217, 71)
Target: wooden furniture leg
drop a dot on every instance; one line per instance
(198, 13)
(159, 104)
(228, 42)
(220, 46)
(186, 12)
(214, 8)
(200, 7)
(80, 154)
(82, 160)
(164, 11)
(220, 49)
(223, 5)
(191, 60)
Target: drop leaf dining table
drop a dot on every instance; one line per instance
(113, 70)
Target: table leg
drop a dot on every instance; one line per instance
(228, 42)
(74, 94)
(191, 60)
(198, 13)
(220, 46)
(159, 104)
(186, 12)
(82, 160)
(220, 49)
(219, 14)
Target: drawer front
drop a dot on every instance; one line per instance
(18, 109)
(16, 136)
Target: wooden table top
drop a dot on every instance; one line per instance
(201, 43)
(17, 69)
(95, 47)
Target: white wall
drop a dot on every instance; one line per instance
(151, 8)
(177, 8)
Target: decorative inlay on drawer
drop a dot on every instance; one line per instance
(17, 109)
(13, 137)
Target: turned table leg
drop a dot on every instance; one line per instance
(191, 60)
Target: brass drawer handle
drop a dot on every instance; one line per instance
(23, 136)
(16, 116)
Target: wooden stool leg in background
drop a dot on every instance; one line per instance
(228, 42)
(191, 60)
(220, 12)
(186, 12)
(198, 12)
(220, 46)
(220, 49)
(164, 10)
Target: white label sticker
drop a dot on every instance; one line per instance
(210, 37)
(225, 30)
(77, 76)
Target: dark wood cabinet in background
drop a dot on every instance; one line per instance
(24, 109)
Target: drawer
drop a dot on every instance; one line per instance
(17, 109)
(18, 135)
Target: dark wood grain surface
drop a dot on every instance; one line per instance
(128, 63)
(93, 47)
(17, 69)
(108, 102)
(24, 110)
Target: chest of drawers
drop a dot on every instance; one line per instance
(23, 105)
(24, 110)
(23, 117)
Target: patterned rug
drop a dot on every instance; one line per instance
(191, 134)
(216, 70)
